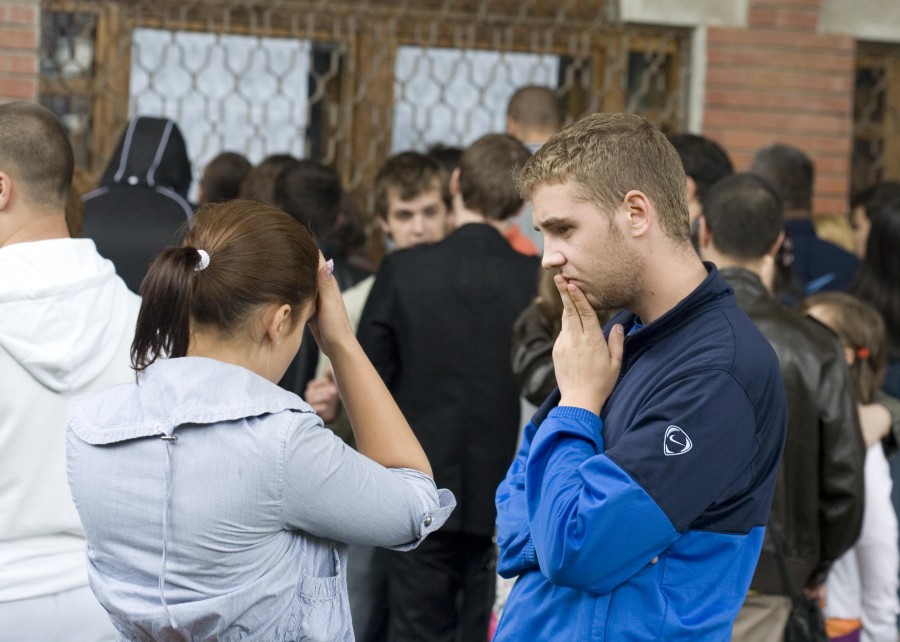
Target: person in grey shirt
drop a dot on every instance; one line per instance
(215, 504)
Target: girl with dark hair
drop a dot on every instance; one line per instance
(214, 503)
(861, 590)
(878, 281)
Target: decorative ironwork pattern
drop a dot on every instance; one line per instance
(347, 83)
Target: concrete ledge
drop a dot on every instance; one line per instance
(686, 13)
(871, 20)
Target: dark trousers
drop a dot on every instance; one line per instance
(442, 591)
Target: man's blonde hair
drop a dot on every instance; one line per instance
(606, 156)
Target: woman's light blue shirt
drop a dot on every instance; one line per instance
(214, 504)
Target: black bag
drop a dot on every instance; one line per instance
(806, 622)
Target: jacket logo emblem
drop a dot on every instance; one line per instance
(676, 441)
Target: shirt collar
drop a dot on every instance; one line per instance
(177, 392)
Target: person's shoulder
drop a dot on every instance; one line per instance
(105, 416)
(723, 338)
(420, 262)
(788, 329)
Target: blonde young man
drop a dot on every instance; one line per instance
(636, 507)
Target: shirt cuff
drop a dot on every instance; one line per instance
(437, 505)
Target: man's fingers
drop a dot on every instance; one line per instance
(583, 308)
(569, 310)
(616, 345)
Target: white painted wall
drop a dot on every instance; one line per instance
(870, 20)
(685, 13)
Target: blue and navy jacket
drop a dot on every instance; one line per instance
(646, 523)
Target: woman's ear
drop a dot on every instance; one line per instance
(849, 355)
(277, 321)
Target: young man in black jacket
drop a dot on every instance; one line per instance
(817, 509)
(437, 326)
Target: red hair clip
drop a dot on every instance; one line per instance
(863, 353)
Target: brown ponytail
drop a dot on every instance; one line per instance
(257, 255)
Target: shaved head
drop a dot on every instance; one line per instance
(36, 153)
(535, 107)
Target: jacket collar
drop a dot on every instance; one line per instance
(712, 292)
(746, 284)
(173, 393)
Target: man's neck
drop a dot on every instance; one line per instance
(667, 280)
(464, 216)
(33, 226)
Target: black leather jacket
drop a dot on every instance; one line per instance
(818, 501)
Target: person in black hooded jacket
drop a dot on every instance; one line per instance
(141, 201)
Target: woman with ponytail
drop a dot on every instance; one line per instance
(215, 504)
(861, 602)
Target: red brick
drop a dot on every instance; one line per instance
(829, 205)
(782, 122)
(18, 38)
(17, 14)
(741, 138)
(833, 165)
(842, 61)
(18, 63)
(831, 184)
(741, 159)
(18, 87)
(754, 98)
(741, 145)
(775, 79)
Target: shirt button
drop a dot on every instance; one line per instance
(427, 521)
(654, 560)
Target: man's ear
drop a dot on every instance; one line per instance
(454, 182)
(704, 237)
(6, 188)
(640, 212)
(691, 188)
(383, 225)
(512, 127)
(773, 250)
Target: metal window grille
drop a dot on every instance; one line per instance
(346, 83)
(876, 116)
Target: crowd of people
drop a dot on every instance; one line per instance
(226, 421)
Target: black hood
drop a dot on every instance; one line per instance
(151, 153)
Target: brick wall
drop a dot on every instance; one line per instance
(19, 53)
(779, 80)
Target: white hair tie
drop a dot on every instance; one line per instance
(204, 261)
